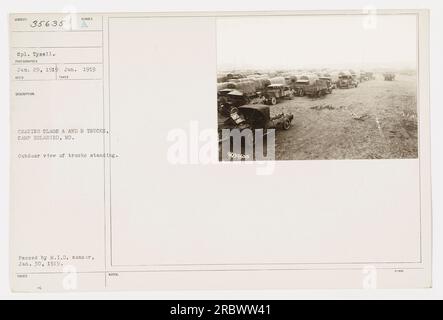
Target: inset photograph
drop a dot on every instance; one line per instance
(326, 86)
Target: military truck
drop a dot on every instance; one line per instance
(275, 92)
(346, 80)
(329, 83)
(363, 76)
(389, 76)
(312, 86)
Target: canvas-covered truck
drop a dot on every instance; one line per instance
(389, 76)
(312, 86)
(278, 80)
(238, 98)
(240, 93)
(302, 83)
(291, 80)
(329, 83)
(261, 82)
(346, 80)
(276, 92)
(332, 77)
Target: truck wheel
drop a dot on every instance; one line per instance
(286, 124)
(273, 101)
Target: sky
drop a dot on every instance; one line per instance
(316, 41)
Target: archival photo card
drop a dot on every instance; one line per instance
(143, 147)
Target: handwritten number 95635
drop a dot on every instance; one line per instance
(47, 23)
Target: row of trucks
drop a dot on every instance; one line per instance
(260, 89)
(347, 80)
(236, 89)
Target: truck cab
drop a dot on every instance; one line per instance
(275, 92)
(347, 81)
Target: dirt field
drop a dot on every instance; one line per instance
(376, 120)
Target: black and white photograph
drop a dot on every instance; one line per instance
(332, 86)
